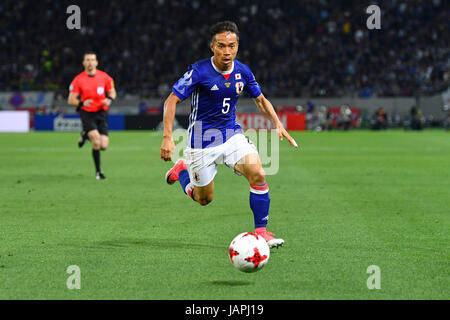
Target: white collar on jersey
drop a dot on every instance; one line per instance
(220, 71)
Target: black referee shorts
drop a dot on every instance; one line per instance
(95, 121)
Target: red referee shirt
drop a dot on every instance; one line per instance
(94, 88)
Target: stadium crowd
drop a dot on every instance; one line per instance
(308, 48)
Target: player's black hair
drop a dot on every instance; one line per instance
(224, 26)
(90, 52)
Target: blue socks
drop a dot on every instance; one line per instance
(185, 182)
(184, 179)
(260, 203)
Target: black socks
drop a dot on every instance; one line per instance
(96, 156)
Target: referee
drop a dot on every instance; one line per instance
(92, 92)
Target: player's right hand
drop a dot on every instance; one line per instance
(87, 102)
(167, 147)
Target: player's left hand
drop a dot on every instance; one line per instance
(283, 133)
(107, 102)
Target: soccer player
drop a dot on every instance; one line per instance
(92, 92)
(214, 85)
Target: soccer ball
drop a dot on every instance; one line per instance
(249, 252)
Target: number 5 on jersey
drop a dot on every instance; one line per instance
(226, 105)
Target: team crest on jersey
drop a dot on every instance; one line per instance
(227, 84)
(239, 87)
(237, 76)
(100, 90)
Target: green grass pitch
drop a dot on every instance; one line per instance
(345, 201)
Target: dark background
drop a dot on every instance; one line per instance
(294, 48)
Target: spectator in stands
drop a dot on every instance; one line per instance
(345, 118)
(380, 119)
(416, 118)
(324, 117)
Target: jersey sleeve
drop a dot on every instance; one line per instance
(75, 86)
(252, 87)
(187, 84)
(109, 83)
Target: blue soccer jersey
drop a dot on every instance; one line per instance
(214, 96)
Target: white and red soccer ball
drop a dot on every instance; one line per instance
(249, 252)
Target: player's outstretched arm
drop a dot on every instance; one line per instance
(168, 145)
(267, 109)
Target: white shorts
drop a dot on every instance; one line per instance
(202, 163)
